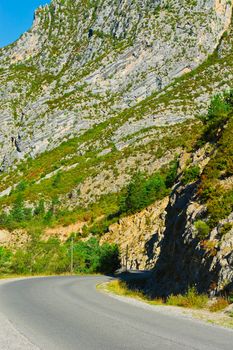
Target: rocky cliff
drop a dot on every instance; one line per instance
(121, 81)
(187, 238)
(84, 63)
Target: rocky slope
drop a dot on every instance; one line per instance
(82, 64)
(187, 238)
(171, 236)
(115, 77)
(139, 236)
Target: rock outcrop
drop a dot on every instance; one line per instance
(185, 260)
(139, 236)
(80, 65)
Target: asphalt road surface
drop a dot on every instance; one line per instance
(63, 313)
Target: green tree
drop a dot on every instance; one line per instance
(40, 209)
(5, 260)
(17, 213)
(135, 194)
(202, 228)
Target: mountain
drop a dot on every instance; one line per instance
(97, 92)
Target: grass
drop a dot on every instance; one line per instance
(120, 288)
(191, 299)
(219, 305)
(195, 305)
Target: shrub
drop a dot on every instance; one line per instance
(90, 256)
(171, 174)
(54, 257)
(225, 228)
(5, 260)
(202, 228)
(56, 180)
(40, 209)
(218, 114)
(121, 288)
(191, 299)
(141, 192)
(191, 174)
(219, 304)
(109, 258)
(135, 198)
(210, 247)
(22, 185)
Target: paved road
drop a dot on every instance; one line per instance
(64, 313)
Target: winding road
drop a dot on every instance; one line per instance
(66, 313)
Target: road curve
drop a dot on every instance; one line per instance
(67, 313)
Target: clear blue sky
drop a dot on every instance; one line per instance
(16, 17)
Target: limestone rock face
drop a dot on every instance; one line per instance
(139, 236)
(164, 238)
(184, 260)
(81, 64)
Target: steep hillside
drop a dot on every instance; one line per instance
(113, 86)
(197, 248)
(187, 238)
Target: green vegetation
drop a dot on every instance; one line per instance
(212, 189)
(141, 192)
(54, 257)
(219, 305)
(191, 299)
(191, 174)
(202, 228)
(5, 260)
(120, 288)
(225, 228)
(217, 116)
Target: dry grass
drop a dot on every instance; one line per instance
(120, 288)
(191, 300)
(196, 304)
(219, 305)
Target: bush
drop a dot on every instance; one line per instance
(191, 299)
(225, 228)
(121, 288)
(109, 258)
(202, 228)
(219, 304)
(171, 174)
(54, 257)
(218, 113)
(5, 260)
(91, 257)
(141, 192)
(22, 185)
(191, 174)
(40, 209)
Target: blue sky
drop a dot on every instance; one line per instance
(16, 17)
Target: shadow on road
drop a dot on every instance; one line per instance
(135, 279)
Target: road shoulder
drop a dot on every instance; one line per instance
(217, 319)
